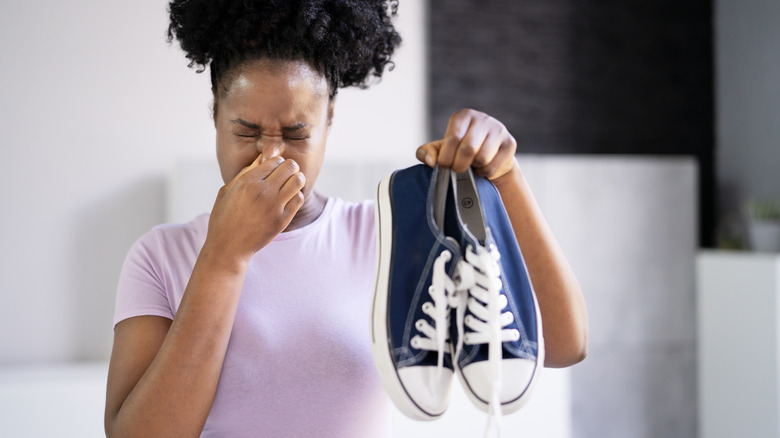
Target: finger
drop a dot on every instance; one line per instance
(498, 172)
(293, 205)
(250, 167)
(292, 195)
(449, 145)
(458, 126)
(282, 172)
(488, 150)
(294, 184)
(260, 170)
(469, 147)
(503, 161)
(429, 152)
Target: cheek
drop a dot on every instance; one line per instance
(223, 166)
(232, 158)
(312, 163)
(223, 160)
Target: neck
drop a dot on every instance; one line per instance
(309, 212)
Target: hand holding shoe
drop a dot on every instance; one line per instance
(472, 139)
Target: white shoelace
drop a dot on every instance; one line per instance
(434, 338)
(479, 276)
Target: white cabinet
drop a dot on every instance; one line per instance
(738, 321)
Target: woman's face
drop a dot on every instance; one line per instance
(273, 107)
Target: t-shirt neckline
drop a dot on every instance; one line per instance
(310, 227)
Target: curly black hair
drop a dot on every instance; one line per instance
(347, 41)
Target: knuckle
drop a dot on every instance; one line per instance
(480, 161)
(500, 129)
(510, 141)
(469, 149)
(461, 112)
(294, 204)
(278, 223)
(466, 112)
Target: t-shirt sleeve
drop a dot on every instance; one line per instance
(142, 289)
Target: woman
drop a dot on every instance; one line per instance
(252, 320)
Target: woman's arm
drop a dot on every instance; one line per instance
(564, 315)
(474, 139)
(163, 374)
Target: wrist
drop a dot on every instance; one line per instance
(512, 173)
(219, 258)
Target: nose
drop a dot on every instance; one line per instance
(270, 147)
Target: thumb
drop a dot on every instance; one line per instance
(429, 152)
(252, 165)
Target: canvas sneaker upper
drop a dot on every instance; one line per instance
(497, 337)
(411, 314)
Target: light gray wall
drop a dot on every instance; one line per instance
(747, 77)
(628, 227)
(95, 109)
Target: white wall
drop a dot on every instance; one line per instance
(737, 305)
(747, 61)
(96, 109)
(628, 227)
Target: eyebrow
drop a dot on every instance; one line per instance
(296, 127)
(245, 123)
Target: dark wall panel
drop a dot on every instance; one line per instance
(576, 77)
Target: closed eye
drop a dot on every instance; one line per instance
(297, 132)
(296, 137)
(286, 137)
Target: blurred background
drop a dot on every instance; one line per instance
(644, 129)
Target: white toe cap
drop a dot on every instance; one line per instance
(428, 387)
(516, 378)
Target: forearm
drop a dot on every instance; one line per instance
(564, 314)
(175, 393)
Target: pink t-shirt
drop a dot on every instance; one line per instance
(299, 360)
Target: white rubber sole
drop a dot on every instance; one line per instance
(380, 349)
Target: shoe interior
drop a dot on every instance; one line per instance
(468, 205)
(442, 176)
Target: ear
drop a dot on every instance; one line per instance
(331, 108)
(214, 106)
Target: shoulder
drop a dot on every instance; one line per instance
(193, 229)
(157, 268)
(170, 240)
(192, 232)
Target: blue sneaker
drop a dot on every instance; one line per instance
(497, 342)
(410, 315)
